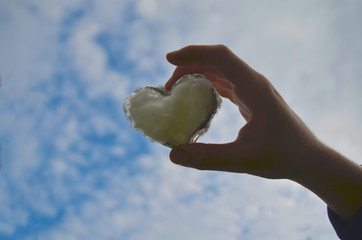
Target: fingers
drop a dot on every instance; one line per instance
(223, 87)
(229, 157)
(218, 56)
(220, 157)
(189, 69)
(249, 87)
(196, 54)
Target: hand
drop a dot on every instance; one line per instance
(274, 143)
(273, 134)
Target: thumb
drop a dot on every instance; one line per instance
(220, 157)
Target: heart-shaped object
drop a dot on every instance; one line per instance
(176, 117)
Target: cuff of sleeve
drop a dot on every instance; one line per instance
(346, 230)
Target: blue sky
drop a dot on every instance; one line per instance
(72, 167)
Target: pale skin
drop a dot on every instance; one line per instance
(274, 143)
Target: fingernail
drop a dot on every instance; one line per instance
(180, 156)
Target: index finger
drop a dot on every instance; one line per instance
(180, 71)
(250, 86)
(219, 56)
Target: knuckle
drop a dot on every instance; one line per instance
(221, 48)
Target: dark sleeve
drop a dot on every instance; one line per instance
(347, 231)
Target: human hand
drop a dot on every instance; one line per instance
(273, 139)
(274, 143)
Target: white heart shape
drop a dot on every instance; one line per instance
(176, 117)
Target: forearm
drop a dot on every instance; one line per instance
(334, 178)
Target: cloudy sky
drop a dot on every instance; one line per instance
(72, 167)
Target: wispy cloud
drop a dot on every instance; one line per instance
(72, 168)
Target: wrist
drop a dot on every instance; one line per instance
(333, 178)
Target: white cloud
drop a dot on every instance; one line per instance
(226, 124)
(341, 131)
(91, 62)
(165, 202)
(309, 50)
